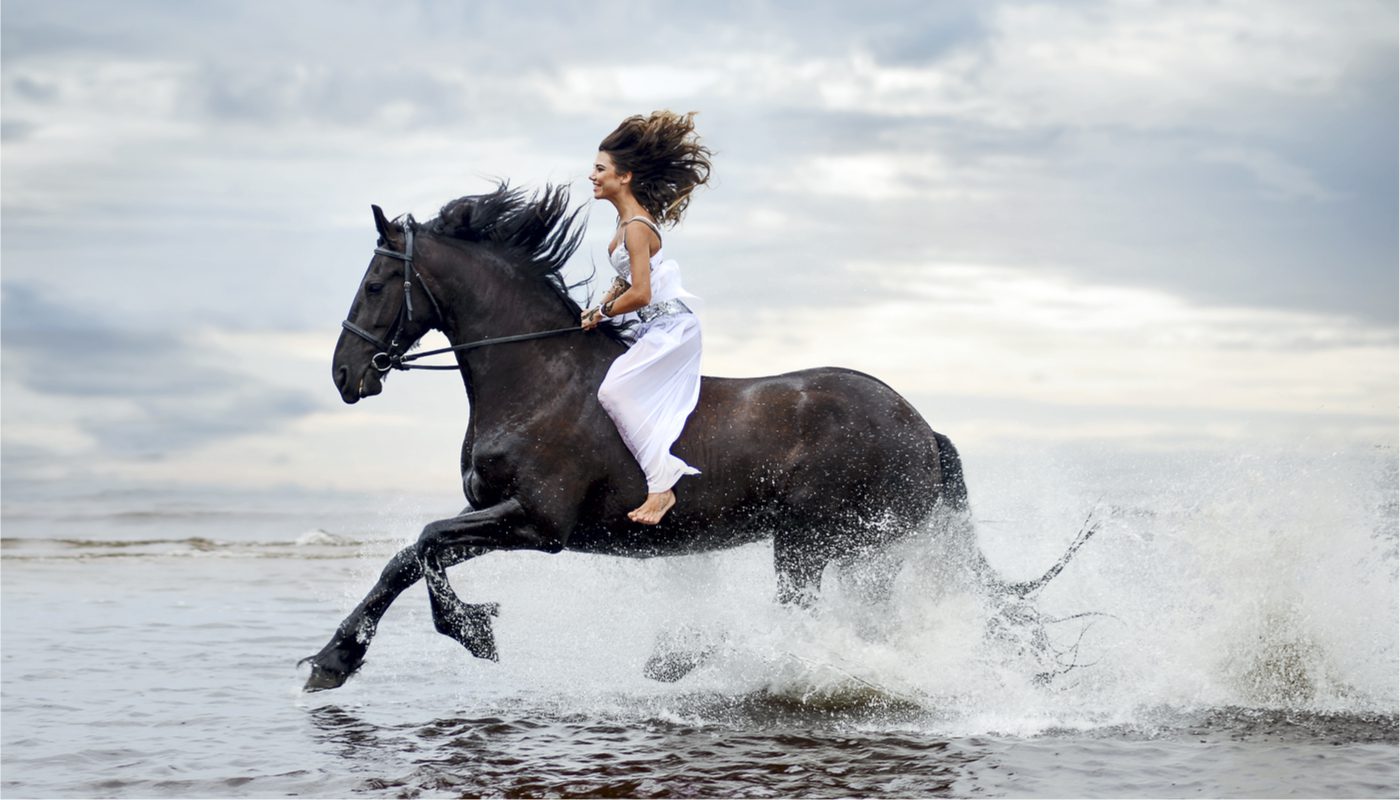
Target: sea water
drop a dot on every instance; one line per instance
(1231, 630)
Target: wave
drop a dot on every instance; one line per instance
(314, 544)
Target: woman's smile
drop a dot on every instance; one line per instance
(606, 180)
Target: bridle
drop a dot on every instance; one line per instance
(393, 355)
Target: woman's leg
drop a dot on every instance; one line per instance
(653, 508)
(649, 392)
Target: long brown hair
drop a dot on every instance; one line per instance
(665, 157)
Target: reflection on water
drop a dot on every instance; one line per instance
(759, 746)
(551, 756)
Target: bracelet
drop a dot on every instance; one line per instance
(606, 310)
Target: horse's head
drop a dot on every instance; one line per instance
(391, 311)
(496, 263)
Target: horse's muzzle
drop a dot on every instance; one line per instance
(353, 388)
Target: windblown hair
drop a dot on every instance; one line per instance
(666, 159)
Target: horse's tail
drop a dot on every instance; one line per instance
(950, 465)
(954, 498)
(1026, 587)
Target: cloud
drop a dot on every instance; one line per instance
(1280, 178)
(133, 393)
(1225, 170)
(1003, 349)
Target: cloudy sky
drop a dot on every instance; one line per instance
(1132, 225)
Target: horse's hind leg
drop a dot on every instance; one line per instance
(799, 562)
(799, 565)
(677, 653)
(345, 652)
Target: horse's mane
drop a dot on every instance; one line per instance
(537, 229)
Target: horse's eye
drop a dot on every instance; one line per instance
(374, 288)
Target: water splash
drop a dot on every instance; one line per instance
(1223, 582)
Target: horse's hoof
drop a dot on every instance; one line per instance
(677, 654)
(477, 635)
(323, 677)
(672, 666)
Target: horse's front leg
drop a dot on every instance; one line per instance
(345, 652)
(504, 526)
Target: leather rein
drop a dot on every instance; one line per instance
(392, 355)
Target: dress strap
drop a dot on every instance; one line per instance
(646, 222)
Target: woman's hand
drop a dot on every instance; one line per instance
(590, 318)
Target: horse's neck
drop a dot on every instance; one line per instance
(538, 370)
(508, 380)
(545, 384)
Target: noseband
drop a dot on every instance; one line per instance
(392, 355)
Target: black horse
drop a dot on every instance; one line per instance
(832, 464)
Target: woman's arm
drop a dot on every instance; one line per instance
(622, 297)
(638, 238)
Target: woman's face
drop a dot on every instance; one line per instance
(607, 181)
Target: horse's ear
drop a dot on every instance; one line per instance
(380, 222)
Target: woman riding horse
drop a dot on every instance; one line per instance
(647, 169)
(830, 464)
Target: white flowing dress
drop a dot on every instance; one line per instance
(651, 389)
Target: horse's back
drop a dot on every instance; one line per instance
(808, 453)
(824, 405)
(825, 440)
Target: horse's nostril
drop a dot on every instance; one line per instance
(342, 377)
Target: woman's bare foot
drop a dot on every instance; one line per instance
(656, 506)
